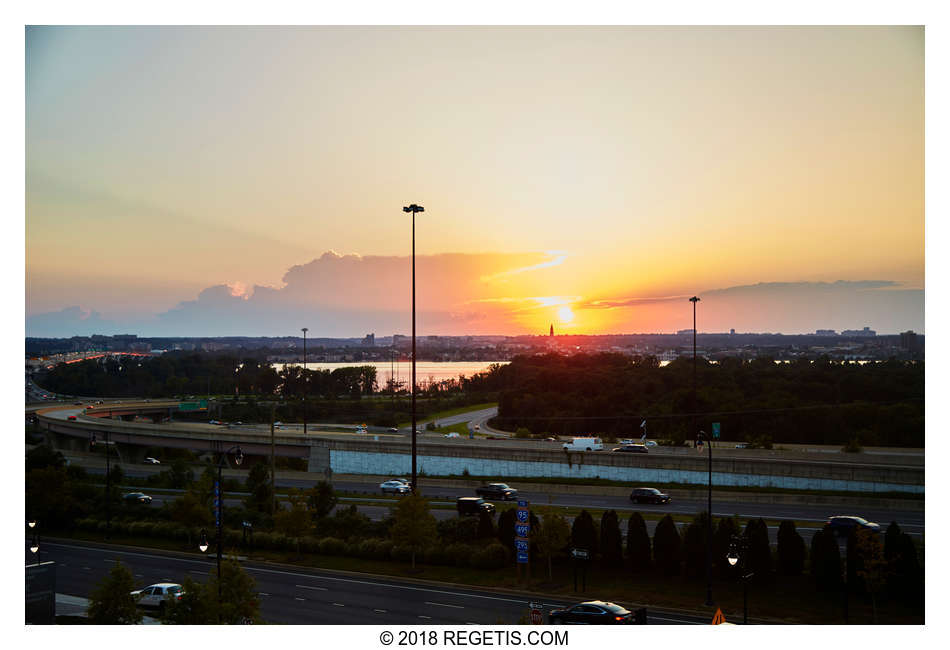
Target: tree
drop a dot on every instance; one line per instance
(111, 602)
(486, 526)
(584, 534)
(43, 456)
(550, 537)
(506, 528)
(611, 541)
(258, 484)
(694, 551)
(179, 475)
(666, 546)
(825, 560)
(295, 522)
(872, 567)
(413, 524)
(239, 599)
(638, 542)
(322, 499)
(791, 549)
(189, 511)
(197, 605)
(759, 550)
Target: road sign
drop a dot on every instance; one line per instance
(537, 618)
(522, 558)
(715, 427)
(580, 553)
(522, 530)
(522, 503)
(718, 619)
(521, 545)
(523, 516)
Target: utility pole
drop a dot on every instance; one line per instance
(273, 471)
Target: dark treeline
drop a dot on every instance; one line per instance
(810, 402)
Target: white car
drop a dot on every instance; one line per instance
(395, 486)
(157, 595)
(650, 443)
(452, 434)
(151, 461)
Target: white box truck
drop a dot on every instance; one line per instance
(584, 444)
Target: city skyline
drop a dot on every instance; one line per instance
(197, 181)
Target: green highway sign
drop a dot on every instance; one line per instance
(201, 405)
(715, 426)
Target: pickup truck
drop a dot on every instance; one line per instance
(498, 491)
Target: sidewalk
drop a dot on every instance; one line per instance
(76, 606)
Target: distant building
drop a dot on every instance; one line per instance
(552, 330)
(684, 332)
(369, 340)
(867, 331)
(909, 341)
(732, 332)
(825, 333)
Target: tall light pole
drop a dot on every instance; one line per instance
(738, 552)
(700, 438)
(303, 376)
(35, 543)
(413, 209)
(203, 544)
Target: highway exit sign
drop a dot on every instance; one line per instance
(715, 426)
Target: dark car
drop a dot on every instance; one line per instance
(648, 495)
(634, 449)
(497, 491)
(468, 506)
(592, 612)
(137, 497)
(843, 524)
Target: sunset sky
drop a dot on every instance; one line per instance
(249, 181)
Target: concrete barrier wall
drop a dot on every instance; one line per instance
(435, 460)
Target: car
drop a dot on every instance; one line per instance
(591, 612)
(71, 417)
(395, 486)
(215, 422)
(742, 445)
(648, 495)
(650, 443)
(550, 439)
(157, 595)
(469, 506)
(635, 449)
(151, 461)
(841, 525)
(393, 430)
(137, 497)
(452, 434)
(497, 491)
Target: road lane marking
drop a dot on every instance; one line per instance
(383, 584)
(309, 587)
(339, 605)
(428, 617)
(445, 605)
(204, 573)
(675, 620)
(381, 611)
(296, 598)
(261, 593)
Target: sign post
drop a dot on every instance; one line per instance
(522, 531)
(537, 616)
(582, 555)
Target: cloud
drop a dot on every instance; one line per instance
(75, 320)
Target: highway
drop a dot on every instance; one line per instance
(293, 595)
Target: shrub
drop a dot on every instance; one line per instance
(694, 551)
(825, 560)
(492, 556)
(666, 546)
(332, 546)
(522, 432)
(460, 554)
(384, 549)
(638, 542)
(760, 551)
(584, 533)
(611, 541)
(401, 553)
(437, 554)
(791, 550)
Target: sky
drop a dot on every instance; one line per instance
(250, 181)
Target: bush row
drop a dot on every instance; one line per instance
(492, 556)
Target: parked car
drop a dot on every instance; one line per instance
(843, 524)
(497, 491)
(467, 506)
(633, 449)
(151, 461)
(137, 497)
(591, 612)
(395, 486)
(648, 495)
(157, 595)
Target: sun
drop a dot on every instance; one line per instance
(565, 315)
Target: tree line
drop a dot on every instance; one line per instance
(758, 401)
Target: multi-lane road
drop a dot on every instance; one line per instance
(294, 595)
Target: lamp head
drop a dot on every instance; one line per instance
(238, 456)
(203, 544)
(31, 523)
(732, 557)
(34, 546)
(694, 300)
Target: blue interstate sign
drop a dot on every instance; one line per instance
(522, 530)
(522, 558)
(523, 516)
(522, 503)
(521, 545)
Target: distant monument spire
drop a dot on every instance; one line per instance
(552, 330)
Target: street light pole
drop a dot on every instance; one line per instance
(238, 458)
(303, 376)
(35, 544)
(700, 440)
(740, 553)
(413, 209)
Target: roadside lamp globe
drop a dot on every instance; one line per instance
(34, 546)
(732, 557)
(31, 523)
(203, 544)
(238, 456)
